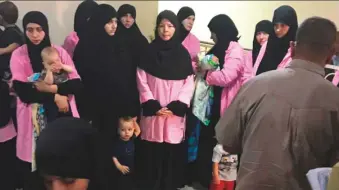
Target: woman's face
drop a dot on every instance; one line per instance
(262, 37)
(166, 30)
(188, 22)
(127, 20)
(57, 183)
(214, 37)
(111, 26)
(35, 33)
(281, 29)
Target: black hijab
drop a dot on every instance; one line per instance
(277, 47)
(92, 50)
(71, 148)
(130, 37)
(262, 26)
(226, 31)
(34, 51)
(168, 60)
(82, 15)
(184, 13)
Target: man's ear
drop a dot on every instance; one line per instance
(292, 46)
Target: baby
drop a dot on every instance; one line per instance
(209, 62)
(123, 152)
(54, 72)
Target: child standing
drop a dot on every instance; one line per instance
(224, 169)
(123, 152)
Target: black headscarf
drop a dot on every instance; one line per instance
(130, 37)
(82, 15)
(89, 52)
(262, 26)
(226, 31)
(168, 60)
(127, 9)
(71, 148)
(184, 13)
(277, 47)
(34, 51)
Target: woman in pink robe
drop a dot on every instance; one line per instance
(165, 83)
(263, 30)
(226, 82)
(285, 27)
(25, 61)
(82, 14)
(186, 16)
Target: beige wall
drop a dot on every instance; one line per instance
(246, 14)
(60, 15)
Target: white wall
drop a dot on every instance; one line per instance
(60, 15)
(246, 14)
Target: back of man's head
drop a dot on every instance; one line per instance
(9, 12)
(315, 40)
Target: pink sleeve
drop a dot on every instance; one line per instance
(144, 90)
(287, 59)
(66, 59)
(68, 47)
(248, 66)
(335, 80)
(17, 67)
(233, 68)
(186, 93)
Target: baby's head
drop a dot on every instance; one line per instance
(126, 128)
(50, 56)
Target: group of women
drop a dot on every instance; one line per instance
(118, 73)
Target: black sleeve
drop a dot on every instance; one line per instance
(14, 36)
(5, 104)
(178, 108)
(28, 94)
(150, 108)
(73, 86)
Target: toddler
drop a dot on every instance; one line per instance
(224, 169)
(123, 152)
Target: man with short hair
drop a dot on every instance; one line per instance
(285, 122)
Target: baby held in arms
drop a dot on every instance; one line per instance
(54, 72)
(123, 152)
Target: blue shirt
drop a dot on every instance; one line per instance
(124, 152)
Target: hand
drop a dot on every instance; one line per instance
(215, 59)
(216, 180)
(62, 103)
(123, 169)
(56, 67)
(164, 112)
(42, 86)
